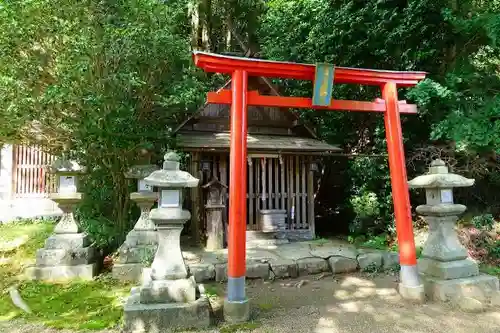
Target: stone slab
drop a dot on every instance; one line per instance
(390, 260)
(308, 266)
(448, 270)
(221, 272)
(257, 270)
(284, 268)
(266, 243)
(447, 290)
(328, 250)
(261, 255)
(469, 304)
(53, 273)
(165, 317)
(127, 272)
(141, 237)
(495, 299)
(202, 272)
(77, 256)
(67, 241)
(295, 251)
(370, 260)
(139, 254)
(168, 291)
(342, 265)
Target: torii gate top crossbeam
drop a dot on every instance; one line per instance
(211, 62)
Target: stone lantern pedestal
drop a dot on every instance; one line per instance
(67, 253)
(446, 270)
(170, 298)
(142, 241)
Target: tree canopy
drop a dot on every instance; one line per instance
(106, 80)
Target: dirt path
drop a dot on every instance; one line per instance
(341, 304)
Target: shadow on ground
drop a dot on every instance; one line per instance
(355, 303)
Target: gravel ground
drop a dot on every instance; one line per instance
(340, 304)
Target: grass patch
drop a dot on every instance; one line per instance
(265, 306)
(73, 305)
(78, 305)
(213, 290)
(240, 327)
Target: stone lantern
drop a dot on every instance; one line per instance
(214, 208)
(447, 271)
(67, 253)
(169, 299)
(142, 241)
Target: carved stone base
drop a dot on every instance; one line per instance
(165, 317)
(128, 272)
(448, 270)
(480, 287)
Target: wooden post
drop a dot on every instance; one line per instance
(282, 184)
(264, 183)
(251, 195)
(214, 208)
(303, 191)
(195, 199)
(310, 198)
(298, 222)
(276, 184)
(290, 212)
(258, 193)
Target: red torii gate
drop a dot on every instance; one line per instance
(236, 304)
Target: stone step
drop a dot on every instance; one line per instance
(78, 256)
(258, 243)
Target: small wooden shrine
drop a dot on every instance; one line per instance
(282, 157)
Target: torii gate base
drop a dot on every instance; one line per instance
(236, 306)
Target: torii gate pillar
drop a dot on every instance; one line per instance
(236, 306)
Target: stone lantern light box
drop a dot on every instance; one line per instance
(139, 172)
(67, 175)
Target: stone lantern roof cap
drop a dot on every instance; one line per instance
(140, 171)
(171, 175)
(62, 165)
(439, 177)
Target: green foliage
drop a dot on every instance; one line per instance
(103, 82)
(488, 269)
(379, 242)
(494, 250)
(457, 43)
(484, 222)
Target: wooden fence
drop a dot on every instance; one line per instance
(30, 178)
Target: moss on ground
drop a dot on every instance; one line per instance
(91, 305)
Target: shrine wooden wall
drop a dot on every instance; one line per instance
(283, 182)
